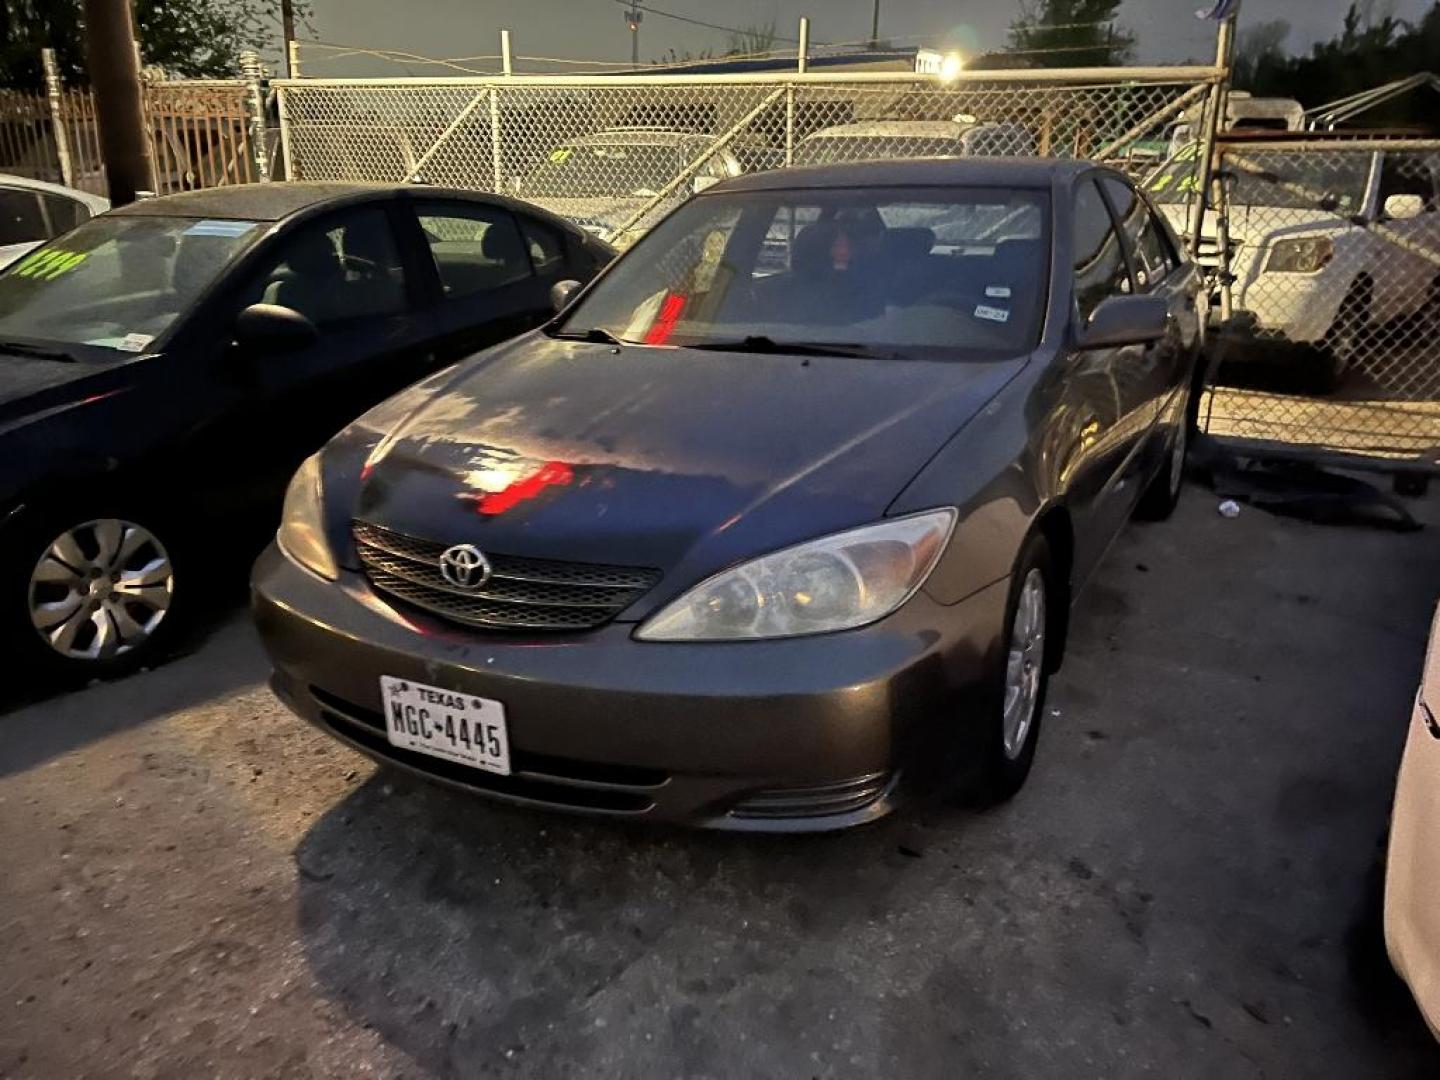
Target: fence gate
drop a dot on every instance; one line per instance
(1327, 252)
(615, 152)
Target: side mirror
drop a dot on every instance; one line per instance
(562, 292)
(1404, 207)
(1125, 320)
(703, 183)
(271, 328)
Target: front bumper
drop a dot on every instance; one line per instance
(801, 734)
(1296, 308)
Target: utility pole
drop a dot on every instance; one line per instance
(875, 27)
(114, 63)
(633, 18)
(287, 29)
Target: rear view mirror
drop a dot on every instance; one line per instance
(1404, 207)
(1125, 320)
(562, 292)
(271, 328)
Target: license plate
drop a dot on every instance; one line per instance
(446, 724)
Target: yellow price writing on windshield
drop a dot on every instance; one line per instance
(561, 155)
(49, 264)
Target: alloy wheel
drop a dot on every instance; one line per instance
(101, 589)
(1024, 665)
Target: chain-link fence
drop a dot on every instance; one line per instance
(616, 152)
(1326, 260)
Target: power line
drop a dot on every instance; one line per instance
(737, 30)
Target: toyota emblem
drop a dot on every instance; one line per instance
(465, 567)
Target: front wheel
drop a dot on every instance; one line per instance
(1014, 708)
(93, 598)
(1348, 336)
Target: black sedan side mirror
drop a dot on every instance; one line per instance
(1125, 320)
(271, 328)
(562, 292)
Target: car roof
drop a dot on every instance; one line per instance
(638, 136)
(97, 203)
(935, 129)
(1023, 172)
(263, 202)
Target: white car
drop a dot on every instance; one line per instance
(32, 211)
(960, 136)
(1326, 245)
(1412, 872)
(601, 181)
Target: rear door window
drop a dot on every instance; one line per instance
(1100, 270)
(475, 248)
(20, 217)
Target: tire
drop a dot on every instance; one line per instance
(1344, 342)
(91, 595)
(1159, 500)
(1007, 738)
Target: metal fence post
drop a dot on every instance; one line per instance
(789, 125)
(1213, 122)
(495, 158)
(802, 51)
(292, 58)
(253, 71)
(54, 91)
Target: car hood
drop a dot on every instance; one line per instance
(32, 386)
(662, 457)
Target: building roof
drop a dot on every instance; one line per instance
(1020, 172)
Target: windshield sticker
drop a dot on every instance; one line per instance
(134, 342)
(998, 292)
(220, 227)
(561, 155)
(49, 264)
(994, 314)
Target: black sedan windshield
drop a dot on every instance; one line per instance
(116, 282)
(895, 272)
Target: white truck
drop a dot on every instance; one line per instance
(1330, 244)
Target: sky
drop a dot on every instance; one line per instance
(595, 29)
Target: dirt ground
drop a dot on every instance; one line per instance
(197, 885)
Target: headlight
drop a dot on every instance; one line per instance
(835, 583)
(1305, 255)
(302, 522)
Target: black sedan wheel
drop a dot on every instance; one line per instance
(97, 595)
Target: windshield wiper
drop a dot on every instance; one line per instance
(761, 343)
(596, 334)
(20, 348)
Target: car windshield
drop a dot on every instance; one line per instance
(611, 169)
(821, 149)
(117, 282)
(926, 273)
(1332, 182)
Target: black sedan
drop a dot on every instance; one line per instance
(781, 518)
(165, 367)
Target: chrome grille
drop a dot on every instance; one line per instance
(522, 593)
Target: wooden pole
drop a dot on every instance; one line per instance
(115, 75)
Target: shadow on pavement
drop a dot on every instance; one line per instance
(39, 722)
(466, 932)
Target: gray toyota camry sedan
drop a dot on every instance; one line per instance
(779, 520)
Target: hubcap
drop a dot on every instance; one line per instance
(1025, 664)
(100, 589)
